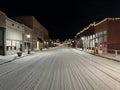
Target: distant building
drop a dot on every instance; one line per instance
(105, 34)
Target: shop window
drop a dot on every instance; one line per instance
(8, 42)
(13, 43)
(90, 37)
(13, 48)
(93, 35)
(17, 44)
(100, 33)
(8, 48)
(105, 38)
(96, 40)
(101, 39)
(96, 34)
(105, 32)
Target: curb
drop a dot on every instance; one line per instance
(105, 57)
(16, 57)
(101, 56)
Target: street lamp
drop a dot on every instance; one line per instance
(73, 43)
(82, 38)
(28, 37)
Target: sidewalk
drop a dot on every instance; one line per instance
(9, 58)
(104, 55)
(111, 56)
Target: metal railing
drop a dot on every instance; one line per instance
(115, 51)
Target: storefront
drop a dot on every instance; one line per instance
(105, 35)
(13, 37)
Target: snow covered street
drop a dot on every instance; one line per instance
(60, 68)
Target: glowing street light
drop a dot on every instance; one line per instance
(28, 36)
(82, 38)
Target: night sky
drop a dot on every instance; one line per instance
(63, 18)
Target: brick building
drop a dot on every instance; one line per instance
(105, 34)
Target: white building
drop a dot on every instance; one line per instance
(11, 35)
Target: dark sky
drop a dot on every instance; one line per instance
(63, 18)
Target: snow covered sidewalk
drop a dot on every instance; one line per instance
(105, 55)
(111, 56)
(9, 58)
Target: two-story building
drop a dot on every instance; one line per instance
(40, 33)
(14, 32)
(11, 35)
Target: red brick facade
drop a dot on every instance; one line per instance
(107, 31)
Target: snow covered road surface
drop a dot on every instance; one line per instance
(60, 69)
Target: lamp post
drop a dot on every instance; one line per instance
(28, 37)
(73, 43)
(82, 38)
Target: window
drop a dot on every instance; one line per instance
(8, 42)
(12, 24)
(105, 38)
(96, 34)
(17, 44)
(105, 32)
(8, 48)
(101, 39)
(88, 37)
(93, 35)
(100, 33)
(96, 40)
(13, 43)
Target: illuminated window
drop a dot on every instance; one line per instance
(100, 33)
(105, 32)
(93, 35)
(96, 34)
(105, 38)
